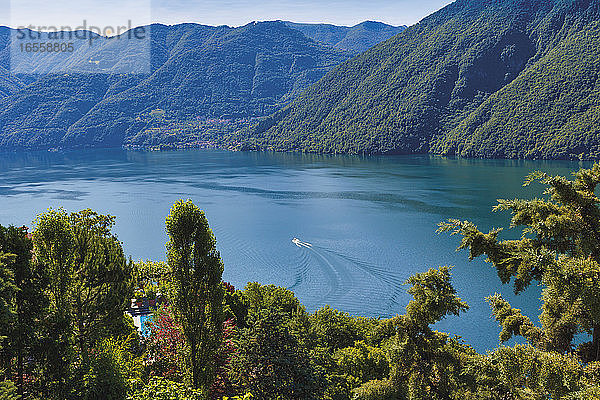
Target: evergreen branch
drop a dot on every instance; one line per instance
(514, 323)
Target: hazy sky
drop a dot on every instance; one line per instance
(213, 12)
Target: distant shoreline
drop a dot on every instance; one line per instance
(238, 148)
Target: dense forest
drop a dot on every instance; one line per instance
(493, 79)
(66, 287)
(100, 95)
(194, 71)
(508, 78)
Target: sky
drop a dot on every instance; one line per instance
(212, 12)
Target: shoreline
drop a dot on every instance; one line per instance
(211, 145)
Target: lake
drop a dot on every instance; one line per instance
(363, 224)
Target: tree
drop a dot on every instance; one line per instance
(262, 297)
(7, 290)
(53, 246)
(91, 284)
(419, 356)
(236, 308)
(333, 329)
(114, 370)
(28, 302)
(270, 362)
(361, 363)
(152, 278)
(198, 291)
(560, 248)
(424, 363)
(104, 279)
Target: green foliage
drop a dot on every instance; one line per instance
(235, 307)
(90, 286)
(247, 396)
(560, 249)
(198, 291)
(504, 79)
(362, 362)
(424, 363)
(7, 292)
(152, 278)
(434, 297)
(262, 297)
(114, 370)
(333, 329)
(550, 374)
(8, 391)
(549, 111)
(162, 389)
(23, 302)
(259, 298)
(408, 359)
(513, 322)
(269, 360)
(376, 390)
(524, 372)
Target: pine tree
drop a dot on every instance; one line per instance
(559, 248)
(421, 358)
(196, 269)
(424, 362)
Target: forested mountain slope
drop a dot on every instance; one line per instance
(504, 78)
(551, 111)
(196, 71)
(357, 38)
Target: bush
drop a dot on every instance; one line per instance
(8, 391)
(376, 390)
(270, 361)
(363, 362)
(114, 371)
(165, 345)
(162, 389)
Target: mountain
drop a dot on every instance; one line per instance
(87, 98)
(356, 38)
(9, 84)
(503, 78)
(190, 75)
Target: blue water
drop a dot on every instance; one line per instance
(370, 222)
(143, 327)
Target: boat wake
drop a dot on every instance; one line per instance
(344, 282)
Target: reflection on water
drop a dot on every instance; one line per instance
(370, 222)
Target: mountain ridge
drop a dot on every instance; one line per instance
(83, 98)
(433, 87)
(357, 38)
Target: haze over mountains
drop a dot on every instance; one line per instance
(356, 38)
(84, 98)
(507, 78)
